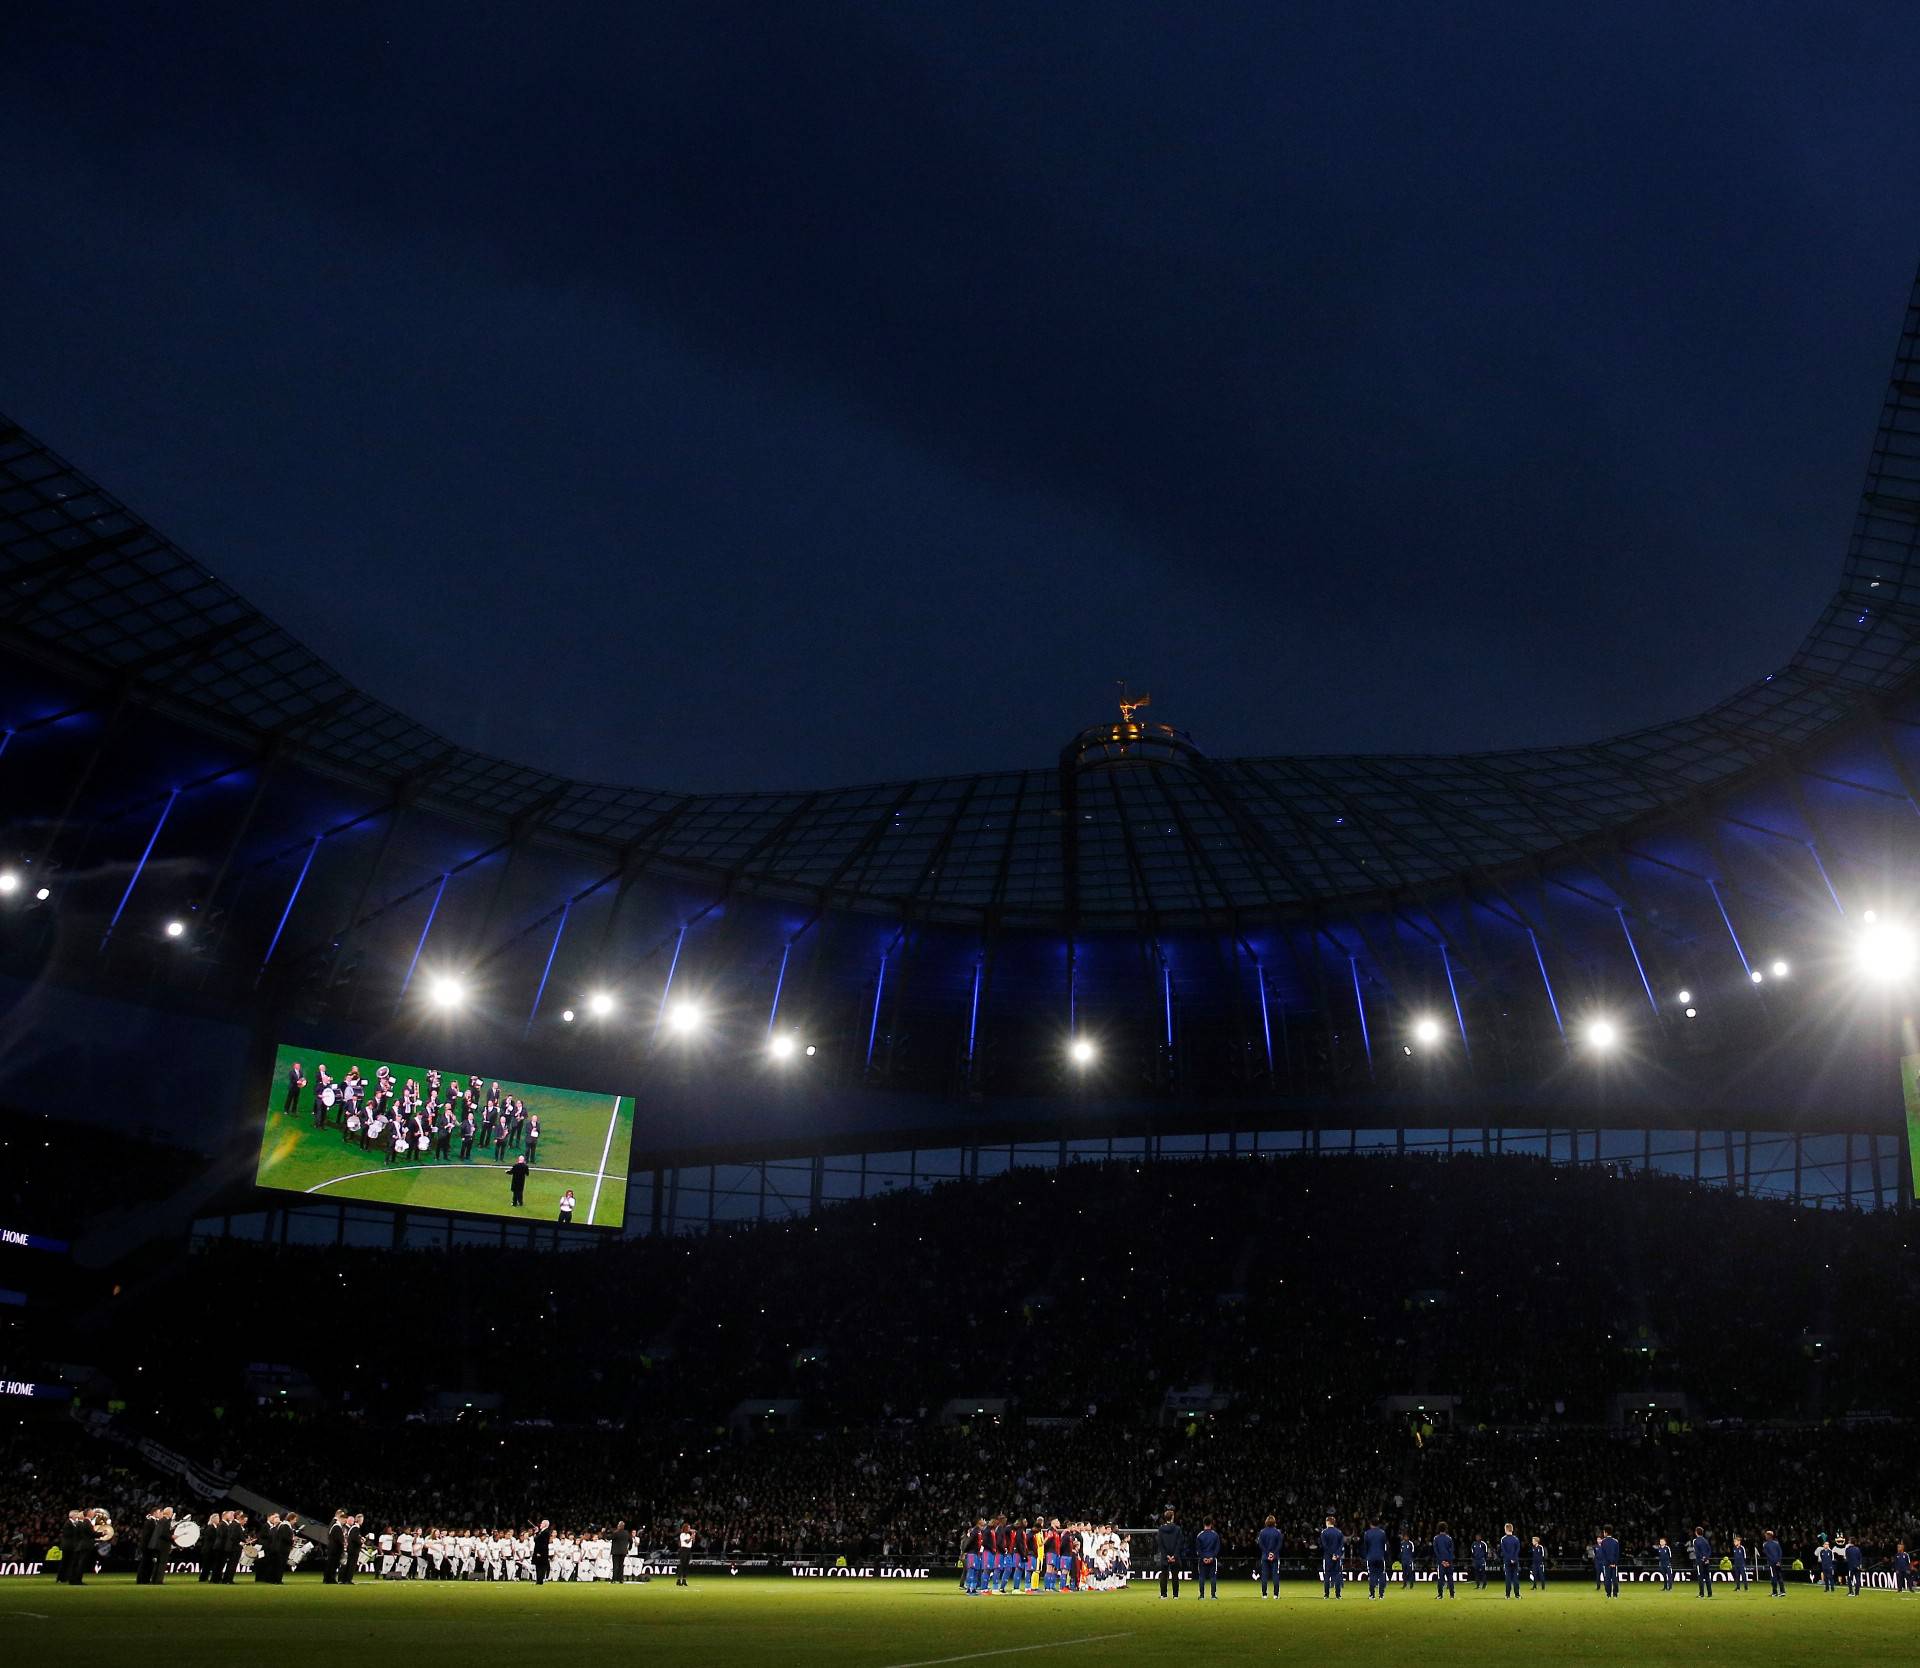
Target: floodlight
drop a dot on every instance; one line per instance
(810, 1051)
(1602, 1034)
(781, 1046)
(445, 991)
(1691, 1012)
(9, 881)
(1426, 1032)
(1082, 1051)
(1885, 952)
(176, 928)
(1779, 970)
(1757, 976)
(1686, 996)
(684, 1017)
(567, 1015)
(44, 893)
(600, 1004)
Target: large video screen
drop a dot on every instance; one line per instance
(342, 1126)
(1910, 1093)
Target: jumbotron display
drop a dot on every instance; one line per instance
(1910, 1095)
(432, 1138)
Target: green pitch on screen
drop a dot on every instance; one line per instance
(1910, 1093)
(584, 1144)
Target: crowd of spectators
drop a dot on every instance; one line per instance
(1222, 1334)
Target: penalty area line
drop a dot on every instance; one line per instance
(1009, 1650)
(415, 1168)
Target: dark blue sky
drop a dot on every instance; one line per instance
(792, 394)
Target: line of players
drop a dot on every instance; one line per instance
(1000, 1555)
(1839, 1561)
(403, 1125)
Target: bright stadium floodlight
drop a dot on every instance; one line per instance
(9, 881)
(600, 1004)
(445, 991)
(1757, 976)
(684, 1017)
(44, 893)
(781, 1046)
(1602, 1034)
(1885, 952)
(1780, 969)
(1692, 1012)
(567, 1015)
(1686, 996)
(176, 928)
(1426, 1032)
(1083, 1052)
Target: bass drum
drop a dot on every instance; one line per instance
(186, 1533)
(353, 1122)
(328, 1095)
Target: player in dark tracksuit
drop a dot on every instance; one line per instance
(1478, 1553)
(1333, 1561)
(1510, 1561)
(1775, 1560)
(1170, 1542)
(1539, 1580)
(1663, 1562)
(1738, 1557)
(1856, 1568)
(1703, 1560)
(1206, 1558)
(1406, 1562)
(1269, 1541)
(1823, 1556)
(1443, 1564)
(1373, 1548)
(1902, 1568)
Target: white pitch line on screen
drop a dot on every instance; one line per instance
(418, 1169)
(1009, 1650)
(593, 1204)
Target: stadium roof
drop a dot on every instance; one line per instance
(1109, 833)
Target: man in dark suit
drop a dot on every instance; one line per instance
(76, 1548)
(156, 1540)
(283, 1551)
(263, 1559)
(351, 1562)
(542, 1545)
(296, 1083)
(518, 1176)
(236, 1542)
(622, 1544)
(336, 1552)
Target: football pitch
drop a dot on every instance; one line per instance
(916, 1624)
(584, 1143)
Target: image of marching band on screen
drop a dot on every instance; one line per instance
(438, 1138)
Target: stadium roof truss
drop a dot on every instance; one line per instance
(96, 591)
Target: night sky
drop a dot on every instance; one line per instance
(791, 394)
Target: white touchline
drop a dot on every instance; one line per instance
(1009, 1650)
(606, 1147)
(441, 1170)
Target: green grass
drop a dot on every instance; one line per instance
(874, 1624)
(296, 1157)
